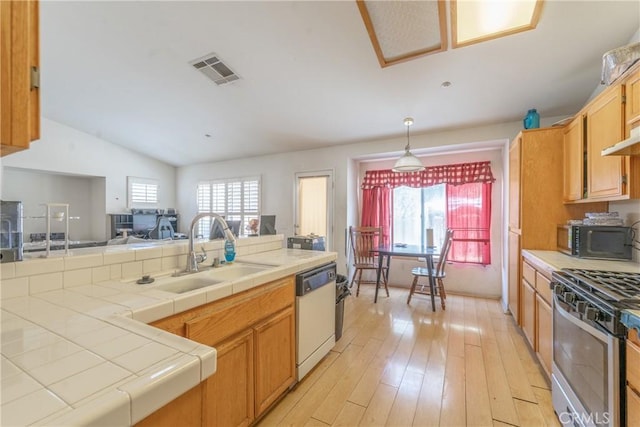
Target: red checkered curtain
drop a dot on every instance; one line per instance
(468, 181)
(376, 210)
(458, 174)
(469, 216)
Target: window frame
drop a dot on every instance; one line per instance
(240, 210)
(133, 181)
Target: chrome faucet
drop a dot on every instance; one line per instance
(192, 258)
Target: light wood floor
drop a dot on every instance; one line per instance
(399, 365)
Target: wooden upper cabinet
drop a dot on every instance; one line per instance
(632, 103)
(573, 154)
(514, 183)
(605, 127)
(19, 75)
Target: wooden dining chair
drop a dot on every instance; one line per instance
(438, 274)
(363, 240)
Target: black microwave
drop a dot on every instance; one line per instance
(596, 241)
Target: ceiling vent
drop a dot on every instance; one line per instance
(212, 67)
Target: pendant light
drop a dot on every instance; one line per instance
(408, 162)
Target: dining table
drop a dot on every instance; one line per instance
(385, 252)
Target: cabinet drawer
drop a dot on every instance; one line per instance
(529, 274)
(543, 287)
(215, 326)
(633, 364)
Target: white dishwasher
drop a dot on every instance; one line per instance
(315, 316)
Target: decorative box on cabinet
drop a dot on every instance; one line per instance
(19, 75)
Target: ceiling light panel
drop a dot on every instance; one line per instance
(480, 20)
(403, 30)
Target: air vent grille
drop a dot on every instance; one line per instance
(212, 67)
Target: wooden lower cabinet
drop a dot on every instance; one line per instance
(254, 335)
(275, 358)
(184, 411)
(528, 316)
(536, 315)
(544, 339)
(514, 275)
(234, 380)
(633, 378)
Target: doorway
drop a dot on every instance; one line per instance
(314, 205)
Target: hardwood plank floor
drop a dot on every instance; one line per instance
(404, 365)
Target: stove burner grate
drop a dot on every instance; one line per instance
(615, 286)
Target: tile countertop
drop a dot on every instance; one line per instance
(85, 356)
(553, 260)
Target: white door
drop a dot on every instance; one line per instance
(314, 205)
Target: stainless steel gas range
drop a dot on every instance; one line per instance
(588, 345)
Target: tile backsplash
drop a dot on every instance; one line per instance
(127, 262)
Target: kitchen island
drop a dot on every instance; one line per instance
(76, 347)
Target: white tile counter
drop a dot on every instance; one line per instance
(79, 352)
(554, 260)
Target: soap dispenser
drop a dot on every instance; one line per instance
(229, 250)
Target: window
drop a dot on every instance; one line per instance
(415, 210)
(142, 192)
(235, 199)
(463, 208)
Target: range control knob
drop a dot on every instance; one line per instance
(592, 313)
(569, 297)
(558, 289)
(581, 306)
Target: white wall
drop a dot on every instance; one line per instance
(629, 210)
(65, 150)
(34, 188)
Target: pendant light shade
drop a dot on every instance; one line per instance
(408, 162)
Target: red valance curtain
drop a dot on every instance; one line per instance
(458, 174)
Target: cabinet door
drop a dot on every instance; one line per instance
(275, 358)
(19, 96)
(184, 411)
(632, 103)
(514, 183)
(543, 334)
(633, 407)
(573, 156)
(528, 316)
(514, 275)
(605, 128)
(228, 399)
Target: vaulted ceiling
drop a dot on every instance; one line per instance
(308, 74)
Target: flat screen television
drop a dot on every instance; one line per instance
(218, 233)
(267, 225)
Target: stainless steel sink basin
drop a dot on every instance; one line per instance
(236, 270)
(187, 283)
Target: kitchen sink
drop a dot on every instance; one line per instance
(237, 270)
(187, 283)
(212, 276)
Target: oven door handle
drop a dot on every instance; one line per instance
(579, 323)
